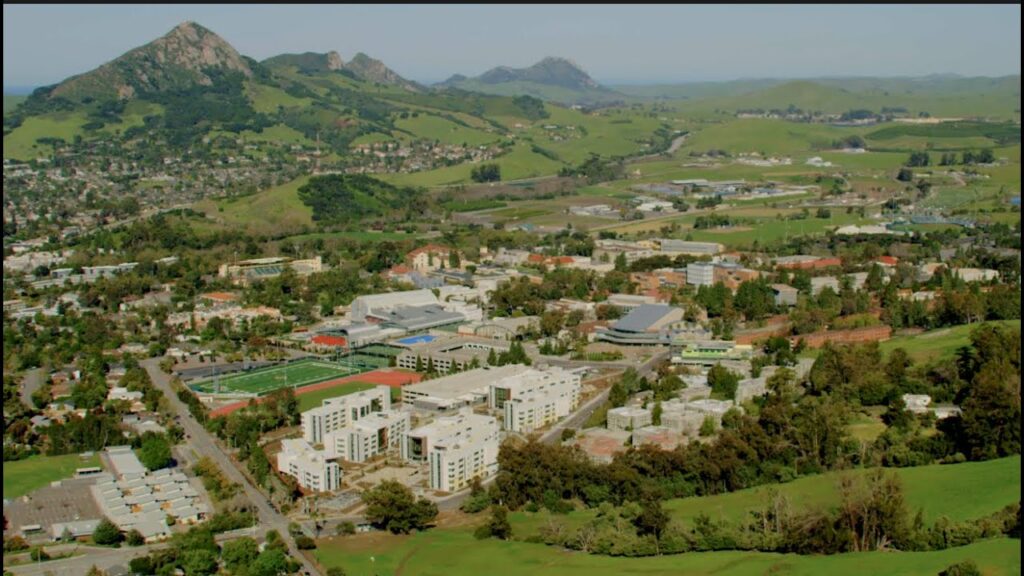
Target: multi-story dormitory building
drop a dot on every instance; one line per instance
(337, 413)
(456, 449)
(310, 467)
(535, 398)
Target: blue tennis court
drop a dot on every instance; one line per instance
(421, 339)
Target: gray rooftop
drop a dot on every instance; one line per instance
(641, 318)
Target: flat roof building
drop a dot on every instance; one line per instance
(308, 466)
(369, 436)
(447, 352)
(535, 398)
(337, 413)
(456, 448)
(784, 295)
(670, 246)
(125, 463)
(458, 390)
(708, 352)
(700, 274)
(629, 418)
(364, 306)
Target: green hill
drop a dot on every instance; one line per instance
(11, 101)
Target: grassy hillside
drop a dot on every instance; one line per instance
(271, 211)
(984, 97)
(941, 343)
(432, 127)
(454, 552)
(21, 144)
(11, 101)
(958, 491)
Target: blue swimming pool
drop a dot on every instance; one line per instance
(421, 339)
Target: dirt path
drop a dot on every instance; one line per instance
(401, 563)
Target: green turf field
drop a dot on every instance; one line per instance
(24, 476)
(262, 381)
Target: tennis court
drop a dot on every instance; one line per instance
(262, 381)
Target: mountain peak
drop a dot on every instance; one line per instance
(308, 61)
(373, 70)
(551, 70)
(179, 59)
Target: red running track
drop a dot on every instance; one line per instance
(391, 378)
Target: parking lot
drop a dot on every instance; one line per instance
(68, 502)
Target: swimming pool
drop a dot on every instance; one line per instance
(421, 339)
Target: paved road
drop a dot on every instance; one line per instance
(33, 381)
(102, 558)
(204, 444)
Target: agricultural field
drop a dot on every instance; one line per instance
(936, 344)
(24, 476)
(262, 381)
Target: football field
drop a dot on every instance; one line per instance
(262, 381)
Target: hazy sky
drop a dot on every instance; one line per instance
(44, 44)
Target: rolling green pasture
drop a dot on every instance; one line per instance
(441, 552)
(935, 344)
(517, 164)
(432, 127)
(21, 143)
(34, 472)
(12, 101)
(958, 491)
(271, 210)
(266, 99)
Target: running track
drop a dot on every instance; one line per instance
(391, 378)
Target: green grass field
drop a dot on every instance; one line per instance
(269, 211)
(21, 143)
(457, 553)
(12, 101)
(315, 399)
(959, 491)
(431, 127)
(296, 374)
(34, 472)
(935, 344)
